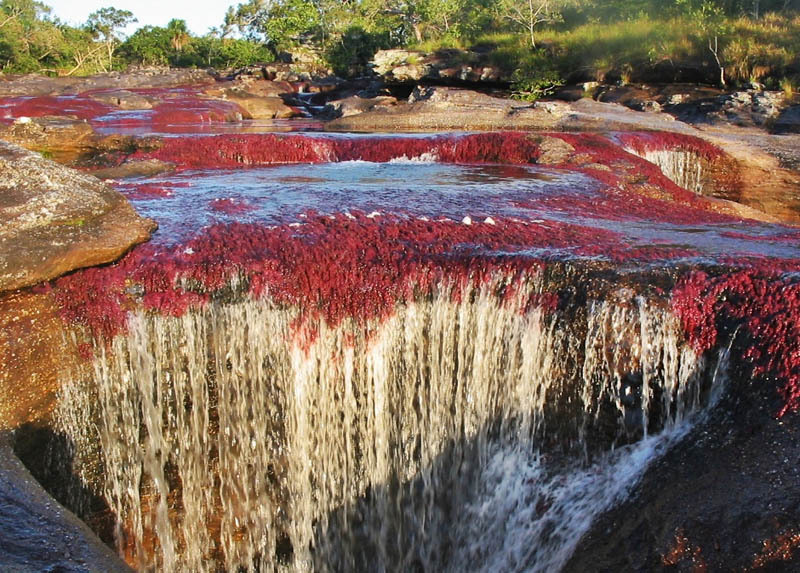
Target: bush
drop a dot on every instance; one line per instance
(537, 77)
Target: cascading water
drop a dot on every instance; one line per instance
(685, 168)
(228, 441)
(400, 366)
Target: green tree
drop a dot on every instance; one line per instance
(530, 14)
(711, 26)
(179, 35)
(106, 24)
(149, 45)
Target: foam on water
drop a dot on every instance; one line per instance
(454, 434)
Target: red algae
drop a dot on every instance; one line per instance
(595, 155)
(644, 141)
(763, 306)
(607, 206)
(230, 206)
(139, 191)
(334, 267)
(40, 106)
(229, 151)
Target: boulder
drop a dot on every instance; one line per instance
(788, 121)
(452, 66)
(259, 98)
(54, 219)
(50, 133)
(263, 107)
(143, 168)
(356, 104)
(124, 99)
(33, 84)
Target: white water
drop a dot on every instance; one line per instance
(683, 168)
(451, 436)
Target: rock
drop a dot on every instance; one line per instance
(259, 98)
(33, 84)
(454, 97)
(50, 133)
(721, 500)
(144, 168)
(38, 533)
(250, 86)
(54, 219)
(676, 99)
(750, 108)
(788, 121)
(263, 107)
(451, 66)
(554, 150)
(647, 105)
(443, 108)
(124, 99)
(354, 105)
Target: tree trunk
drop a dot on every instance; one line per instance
(417, 31)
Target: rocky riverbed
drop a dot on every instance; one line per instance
(677, 156)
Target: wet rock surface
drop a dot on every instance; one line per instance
(37, 85)
(54, 219)
(443, 66)
(727, 498)
(50, 133)
(38, 534)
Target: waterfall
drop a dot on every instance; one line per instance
(684, 168)
(464, 431)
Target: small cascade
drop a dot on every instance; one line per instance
(682, 167)
(465, 430)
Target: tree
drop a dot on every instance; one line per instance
(529, 14)
(178, 34)
(149, 45)
(248, 19)
(106, 25)
(709, 18)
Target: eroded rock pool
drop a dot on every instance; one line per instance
(409, 353)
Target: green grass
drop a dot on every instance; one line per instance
(764, 50)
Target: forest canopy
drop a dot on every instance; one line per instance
(740, 40)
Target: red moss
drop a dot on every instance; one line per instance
(40, 106)
(230, 151)
(331, 267)
(763, 306)
(644, 141)
(230, 206)
(790, 237)
(139, 191)
(227, 151)
(628, 170)
(597, 156)
(623, 205)
(783, 547)
(192, 110)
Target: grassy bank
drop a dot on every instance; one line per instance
(766, 51)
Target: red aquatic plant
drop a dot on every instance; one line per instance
(331, 267)
(644, 141)
(40, 106)
(230, 205)
(763, 305)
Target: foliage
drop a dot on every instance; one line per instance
(536, 78)
(579, 40)
(105, 25)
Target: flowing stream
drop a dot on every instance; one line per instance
(520, 371)
(456, 434)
